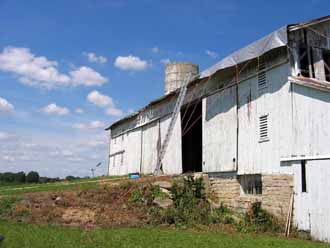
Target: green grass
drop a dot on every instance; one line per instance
(24, 235)
(15, 189)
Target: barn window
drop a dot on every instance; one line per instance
(263, 128)
(303, 176)
(262, 77)
(304, 62)
(251, 184)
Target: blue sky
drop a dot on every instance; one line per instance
(70, 68)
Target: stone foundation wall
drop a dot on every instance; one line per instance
(275, 197)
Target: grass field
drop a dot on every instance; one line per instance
(19, 234)
(15, 189)
(23, 235)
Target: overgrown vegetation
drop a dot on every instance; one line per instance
(190, 205)
(135, 203)
(257, 219)
(7, 205)
(191, 208)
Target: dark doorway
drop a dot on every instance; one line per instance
(191, 124)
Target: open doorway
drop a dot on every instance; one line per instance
(191, 123)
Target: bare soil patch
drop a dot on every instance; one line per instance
(109, 205)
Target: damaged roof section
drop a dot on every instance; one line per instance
(274, 40)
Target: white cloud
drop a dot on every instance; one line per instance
(92, 57)
(54, 109)
(104, 101)
(155, 49)
(165, 61)
(5, 106)
(79, 111)
(114, 111)
(42, 72)
(131, 63)
(99, 99)
(211, 54)
(35, 152)
(89, 125)
(87, 76)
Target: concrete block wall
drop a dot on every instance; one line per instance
(275, 197)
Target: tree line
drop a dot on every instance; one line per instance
(20, 177)
(31, 177)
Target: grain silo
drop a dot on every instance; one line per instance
(175, 74)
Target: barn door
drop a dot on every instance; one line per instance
(150, 135)
(312, 198)
(220, 131)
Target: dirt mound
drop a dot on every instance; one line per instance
(123, 204)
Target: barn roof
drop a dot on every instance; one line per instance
(276, 39)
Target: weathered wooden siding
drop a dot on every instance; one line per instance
(220, 131)
(311, 118)
(311, 208)
(150, 136)
(172, 162)
(125, 153)
(255, 155)
(132, 155)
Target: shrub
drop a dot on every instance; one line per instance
(221, 215)
(258, 219)
(144, 194)
(190, 206)
(32, 177)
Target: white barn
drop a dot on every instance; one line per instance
(257, 122)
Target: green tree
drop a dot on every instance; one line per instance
(20, 177)
(32, 177)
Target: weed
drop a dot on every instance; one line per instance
(257, 219)
(21, 210)
(7, 204)
(125, 185)
(136, 196)
(221, 215)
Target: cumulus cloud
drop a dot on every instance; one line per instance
(155, 49)
(87, 76)
(5, 106)
(35, 152)
(99, 99)
(89, 125)
(131, 63)
(93, 58)
(54, 109)
(43, 73)
(104, 101)
(165, 61)
(211, 54)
